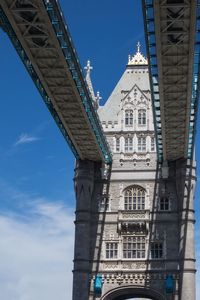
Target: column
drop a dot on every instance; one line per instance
(185, 179)
(83, 184)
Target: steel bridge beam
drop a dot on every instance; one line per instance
(172, 35)
(41, 38)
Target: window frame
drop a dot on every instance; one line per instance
(128, 144)
(117, 144)
(158, 252)
(134, 247)
(142, 143)
(128, 117)
(134, 198)
(153, 144)
(104, 204)
(142, 117)
(111, 247)
(163, 203)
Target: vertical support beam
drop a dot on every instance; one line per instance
(185, 182)
(90, 187)
(83, 184)
(98, 214)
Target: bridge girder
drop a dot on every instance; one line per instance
(171, 29)
(40, 35)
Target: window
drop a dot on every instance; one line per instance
(111, 250)
(152, 144)
(134, 198)
(156, 250)
(141, 117)
(128, 117)
(128, 144)
(134, 247)
(164, 203)
(103, 204)
(117, 144)
(141, 144)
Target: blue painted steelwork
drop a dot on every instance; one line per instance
(98, 284)
(169, 284)
(68, 49)
(195, 87)
(5, 24)
(72, 61)
(153, 71)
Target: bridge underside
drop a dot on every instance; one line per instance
(174, 57)
(42, 40)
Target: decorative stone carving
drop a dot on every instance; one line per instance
(132, 227)
(133, 215)
(133, 265)
(110, 265)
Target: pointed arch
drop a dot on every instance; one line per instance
(134, 198)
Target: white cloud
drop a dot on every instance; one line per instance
(25, 138)
(36, 248)
(36, 255)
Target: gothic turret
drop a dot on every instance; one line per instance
(135, 74)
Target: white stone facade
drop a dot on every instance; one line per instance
(132, 141)
(137, 222)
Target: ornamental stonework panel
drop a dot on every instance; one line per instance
(134, 265)
(125, 215)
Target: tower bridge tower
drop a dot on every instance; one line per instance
(135, 224)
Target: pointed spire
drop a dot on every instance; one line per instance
(88, 69)
(138, 58)
(98, 98)
(138, 47)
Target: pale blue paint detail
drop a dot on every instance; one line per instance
(169, 284)
(76, 72)
(98, 283)
(151, 48)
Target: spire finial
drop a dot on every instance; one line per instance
(88, 68)
(98, 97)
(138, 47)
(138, 58)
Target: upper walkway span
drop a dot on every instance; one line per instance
(172, 35)
(42, 40)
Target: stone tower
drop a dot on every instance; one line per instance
(135, 220)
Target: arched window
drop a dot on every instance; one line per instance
(129, 117)
(141, 117)
(134, 198)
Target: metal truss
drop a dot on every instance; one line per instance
(40, 36)
(172, 35)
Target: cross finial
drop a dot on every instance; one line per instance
(88, 68)
(138, 47)
(98, 97)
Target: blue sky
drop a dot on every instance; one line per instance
(36, 186)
